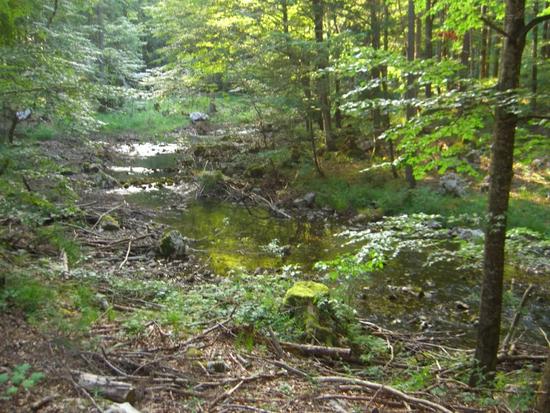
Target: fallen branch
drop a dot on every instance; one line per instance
(127, 255)
(43, 402)
(105, 214)
(225, 395)
(343, 353)
(517, 317)
(386, 389)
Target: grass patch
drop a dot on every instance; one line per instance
(143, 119)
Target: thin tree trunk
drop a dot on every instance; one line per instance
(501, 172)
(376, 72)
(428, 43)
(323, 83)
(534, 65)
(545, 50)
(543, 402)
(384, 71)
(465, 53)
(496, 55)
(484, 46)
(411, 93)
(11, 132)
(418, 38)
(100, 40)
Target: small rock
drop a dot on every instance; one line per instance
(198, 117)
(91, 168)
(173, 244)
(452, 184)
(462, 306)
(309, 199)
(109, 223)
(217, 366)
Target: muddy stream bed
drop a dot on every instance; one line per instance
(406, 294)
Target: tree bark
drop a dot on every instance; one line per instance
(535, 55)
(465, 53)
(411, 93)
(384, 70)
(428, 43)
(543, 402)
(323, 82)
(501, 172)
(376, 72)
(483, 69)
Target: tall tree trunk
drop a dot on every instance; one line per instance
(465, 53)
(496, 55)
(418, 38)
(483, 69)
(534, 65)
(376, 72)
(100, 40)
(411, 93)
(323, 83)
(428, 43)
(501, 172)
(384, 71)
(543, 402)
(545, 50)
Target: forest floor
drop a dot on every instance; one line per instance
(172, 332)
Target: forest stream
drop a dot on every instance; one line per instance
(420, 288)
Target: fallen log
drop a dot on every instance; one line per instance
(116, 391)
(343, 353)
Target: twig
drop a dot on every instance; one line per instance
(225, 395)
(82, 390)
(127, 255)
(42, 402)
(229, 407)
(275, 343)
(515, 321)
(394, 392)
(105, 214)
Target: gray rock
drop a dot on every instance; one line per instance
(217, 366)
(198, 116)
(467, 233)
(173, 244)
(308, 200)
(453, 184)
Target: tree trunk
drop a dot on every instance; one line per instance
(376, 72)
(496, 55)
(465, 53)
(545, 50)
(428, 44)
(534, 65)
(501, 172)
(543, 402)
(323, 83)
(100, 40)
(11, 132)
(418, 39)
(484, 46)
(411, 93)
(384, 71)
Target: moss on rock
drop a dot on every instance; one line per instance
(172, 244)
(109, 223)
(303, 292)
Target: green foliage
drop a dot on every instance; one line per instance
(58, 237)
(12, 383)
